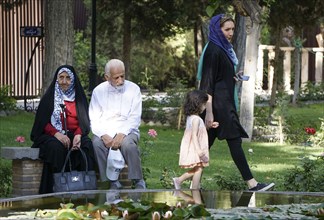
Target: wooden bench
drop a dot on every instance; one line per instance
(27, 170)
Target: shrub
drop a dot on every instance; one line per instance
(318, 138)
(146, 145)
(296, 134)
(5, 179)
(308, 177)
(225, 182)
(7, 103)
(176, 94)
(312, 92)
(164, 109)
(166, 178)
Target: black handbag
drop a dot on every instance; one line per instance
(75, 180)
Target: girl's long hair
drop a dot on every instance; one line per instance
(193, 102)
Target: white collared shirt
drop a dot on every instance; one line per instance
(113, 112)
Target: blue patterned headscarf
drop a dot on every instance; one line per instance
(60, 96)
(217, 36)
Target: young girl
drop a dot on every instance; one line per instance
(194, 152)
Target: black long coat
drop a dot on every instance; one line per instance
(217, 80)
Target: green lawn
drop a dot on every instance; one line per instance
(269, 161)
(12, 126)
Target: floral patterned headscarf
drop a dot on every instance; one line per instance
(60, 96)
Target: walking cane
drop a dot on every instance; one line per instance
(65, 129)
(64, 118)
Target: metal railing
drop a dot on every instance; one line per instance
(22, 55)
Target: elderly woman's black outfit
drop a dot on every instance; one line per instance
(52, 151)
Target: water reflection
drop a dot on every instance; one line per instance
(193, 197)
(211, 199)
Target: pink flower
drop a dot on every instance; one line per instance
(20, 139)
(152, 133)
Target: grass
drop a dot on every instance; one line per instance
(269, 162)
(19, 124)
(306, 115)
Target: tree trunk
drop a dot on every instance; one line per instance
(297, 74)
(127, 40)
(277, 74)
(239, 41)
(250, 69)
(59, 34)
(253, 10)
(197, 39)
(199, 43)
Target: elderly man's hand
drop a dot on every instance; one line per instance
(108, 141)
(117, 141)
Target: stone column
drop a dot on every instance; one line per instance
(271, 56)
(287, 67)
(304, 68)
(318, 65)
(259, 74)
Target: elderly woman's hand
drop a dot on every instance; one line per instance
(76, 142)
(65, 140)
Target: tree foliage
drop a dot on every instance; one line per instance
(295, 13)
(298, 14)
(152, 25)
(134, 21)
(145, 41)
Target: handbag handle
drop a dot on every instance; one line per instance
(68, 157)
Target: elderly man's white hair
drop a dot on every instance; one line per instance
(113, 63)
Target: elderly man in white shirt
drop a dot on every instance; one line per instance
(115, 114)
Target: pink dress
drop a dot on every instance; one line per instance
(189, 157)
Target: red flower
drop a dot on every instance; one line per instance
(310, 130)
(20, 139)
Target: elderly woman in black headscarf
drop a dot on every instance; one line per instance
(53, 135)
(216, 70)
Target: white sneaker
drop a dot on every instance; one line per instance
(199, 187)
(140, 184)
(176, 183)
(262, 187)
(115, 185)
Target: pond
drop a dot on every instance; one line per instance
(213, 200)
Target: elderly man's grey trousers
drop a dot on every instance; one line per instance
(128, 149)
